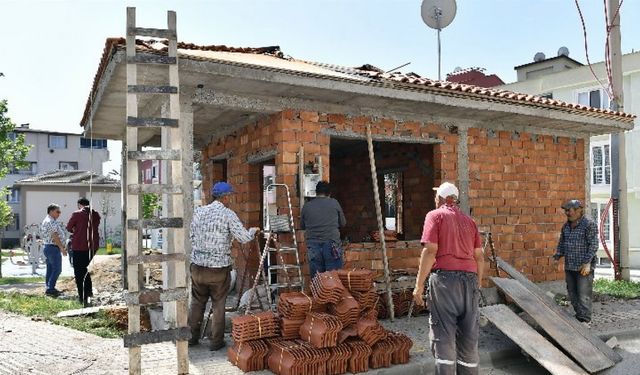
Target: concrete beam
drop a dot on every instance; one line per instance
(379, 138)
(463, 169)
(105, 79)
(261, 156)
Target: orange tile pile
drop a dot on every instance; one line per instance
(327, 288)
(401, 304)
(330, 332)
(255, 326)
(402, 346)
(249, 355)
(357, 280)
(347, 310)
(321, 330)
(360, 353)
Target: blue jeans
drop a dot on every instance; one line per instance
(324, 256)
(580, 289)
(54, 266)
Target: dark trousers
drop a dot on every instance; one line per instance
(324, 256)
(453, 301)
(208, 283)
(81, 260)
(580, 290)
(54, 266)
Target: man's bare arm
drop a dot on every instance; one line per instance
(427, 259)
(479, 256)
(56, 240)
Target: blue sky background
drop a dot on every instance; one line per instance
(50, 50)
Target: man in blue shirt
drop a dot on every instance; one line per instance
(578, 245)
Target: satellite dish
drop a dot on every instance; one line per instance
(438, 14)
(563, 51)
(457, 69)
(539, 57)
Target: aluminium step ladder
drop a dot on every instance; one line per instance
(175, 189)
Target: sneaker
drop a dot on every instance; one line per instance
(52, 293)
(217, 347)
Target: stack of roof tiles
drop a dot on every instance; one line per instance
(293, 307)
(327, 288)
(360, 280)
(321, 330)
(381, 353)
(402, 346)
(370, 331)
(402, 300)
(255, 326)
(248, 355)
(367, 299)
(338, 361)
(295, 357)
(360, 353)
(347, 310)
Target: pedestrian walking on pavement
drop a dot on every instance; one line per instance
(54, 237)
(213, 229)
(83, 225)
(578, 245)
(321, 220)
(452, 258)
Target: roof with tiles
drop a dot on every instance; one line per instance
(68, 177)
(273, 58)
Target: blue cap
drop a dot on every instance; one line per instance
(221, 189)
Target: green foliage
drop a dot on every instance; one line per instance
(12, 152)
(20, 280)
(47, 308)
(151, 204)
(6, 215)
(617, 288)
(103, 251)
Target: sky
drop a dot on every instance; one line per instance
(50, 50)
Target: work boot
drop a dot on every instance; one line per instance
(194, 342)
(217, 347)
(52, 293)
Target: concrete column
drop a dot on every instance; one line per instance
(463, 169)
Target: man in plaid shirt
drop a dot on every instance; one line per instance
(578, 245)
(213, 229)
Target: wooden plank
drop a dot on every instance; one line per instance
(147, 296)
(147, 122)
(146, 89)
(152, 59)
(154, 155)
(151, 32)
(157, 258)
(155, 223)
(154, 188)
(154, 337)
(583, 351)
(79, 312)
(531, 341)
(562, 314)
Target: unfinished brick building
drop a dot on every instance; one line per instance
(515, 157)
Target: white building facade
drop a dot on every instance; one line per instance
(577, 84)
(50, 151)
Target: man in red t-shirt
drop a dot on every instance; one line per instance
(452, 254)
(84, 225)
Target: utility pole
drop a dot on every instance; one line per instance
(618, 149)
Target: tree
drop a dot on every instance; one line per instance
(13, 151)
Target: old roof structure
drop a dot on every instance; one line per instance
(230, 87)
(69, 178)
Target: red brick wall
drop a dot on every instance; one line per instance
(517, 185)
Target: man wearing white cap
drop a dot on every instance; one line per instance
(452, 254)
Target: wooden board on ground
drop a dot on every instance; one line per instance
(83, 311)
(582, 350)
(563, 314)
(531, 341)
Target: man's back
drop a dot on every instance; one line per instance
(321, 219)
(79, 224)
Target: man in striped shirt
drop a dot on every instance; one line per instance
(213, 229)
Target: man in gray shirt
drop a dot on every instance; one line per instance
(321, 219)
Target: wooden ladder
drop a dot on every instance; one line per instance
(175, 189)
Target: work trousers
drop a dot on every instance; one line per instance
(453, 300)
(324, 256)
(580, 290)
(53, 257)
(81, 260)
(208, 283)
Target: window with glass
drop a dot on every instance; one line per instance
(393, 201)
(597, 209)
(57, 141)
(595, 98)
(13, 196)
(98, 144)
(12, 136)
(601, 164)
(30, 169)
(15, 224)
(68, 166)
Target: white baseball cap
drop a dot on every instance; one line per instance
(447, 189)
